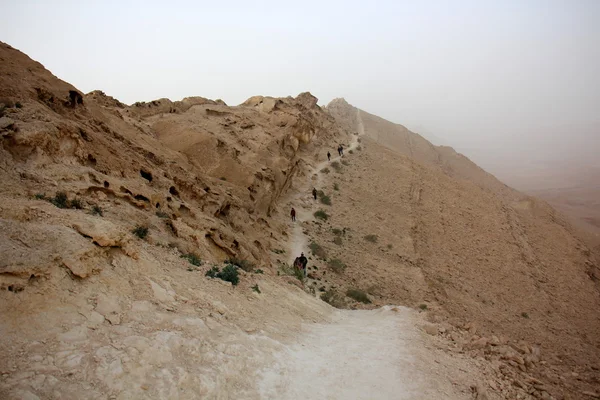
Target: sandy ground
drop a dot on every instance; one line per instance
(375, 354)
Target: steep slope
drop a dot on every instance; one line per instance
(497, 262)
(405, 142)
(91, 309)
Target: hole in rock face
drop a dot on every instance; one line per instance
(169, 198)
(141, 197)
(157, 205)
(91, 159)
(106, 184)
(173, 191)
(146, 175)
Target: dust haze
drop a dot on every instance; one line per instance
(513, 85)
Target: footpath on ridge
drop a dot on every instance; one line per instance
(360, 354)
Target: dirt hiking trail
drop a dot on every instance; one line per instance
(375, 354)
(359, 354)
(298, 242)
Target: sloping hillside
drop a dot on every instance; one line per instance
(481, 256)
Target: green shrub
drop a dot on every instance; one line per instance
(326, 200)
(359, 148)
(256, 288)
(213, 272)
(423, 307)
(351, 151)
(389, 246)
(325, 170)
(358, 295)
(76, 203)
(140, 231)
(40, 196)
(193, 259)
(336, 265)
(525, 315)
(333, 298)
(243, 264)
(96, 210)
(336, 165)
(60, 200)
(278, 251)
(336, 186)
(229, 274)
(259, 271)
(371, 238)
(317, 250)
(322, 215)
(288, 270)
(162, 214)
(336, 231)
(337, 240)
(18, 105)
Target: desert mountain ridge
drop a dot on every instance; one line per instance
(113, 215)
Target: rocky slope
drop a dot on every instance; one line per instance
(413, 228)
(91, 309)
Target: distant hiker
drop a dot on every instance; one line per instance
(293, 214)
(328, 156)
(301, 263)
(314, 192)
(341, 150)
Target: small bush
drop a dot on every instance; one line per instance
(223, 178)
(18, 105)
(346, 163)
(213, 272)
(423, 307)
(229, 274)
(243, 264)
(389, 246)
(337, 240)
(336, 265)
(333, 298)
(359, 148)
(96, 210)
(278, 251)
(337, 231)
(336, 165)
(40, 196)
(259, 271)
(326, 200)
(358, 295)
(76, 204)
(325, 170)
(336, 186)
(140, 231)
(322, 215)
(193, 259)
(60, 200)
(317, 250)
(351, 151)
(162, 214)
(525, 315)
(288, 270)
(371, 238)
(256, 288)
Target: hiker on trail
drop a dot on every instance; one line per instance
(341, 150)
(314, 192)
(293, 214)
(328, 156)
(303, 261)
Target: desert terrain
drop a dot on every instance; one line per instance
(427, 277)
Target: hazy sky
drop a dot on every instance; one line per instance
(492, 78)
